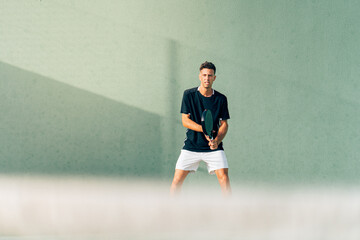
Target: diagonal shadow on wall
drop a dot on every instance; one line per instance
(53, 128)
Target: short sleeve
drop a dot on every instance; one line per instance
(185, 104)
(224, 112)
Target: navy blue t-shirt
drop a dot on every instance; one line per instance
(194, 103)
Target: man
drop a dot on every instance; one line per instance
(197, 146)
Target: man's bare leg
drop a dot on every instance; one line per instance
(178, 180)
(224, 181)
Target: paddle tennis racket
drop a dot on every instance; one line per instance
(207, 123)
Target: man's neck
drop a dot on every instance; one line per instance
(206, 92)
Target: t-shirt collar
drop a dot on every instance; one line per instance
(212, 89)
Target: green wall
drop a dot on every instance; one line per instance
(94, 87)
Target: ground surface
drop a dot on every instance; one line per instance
(89, 208)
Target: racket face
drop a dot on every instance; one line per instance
(207, 123)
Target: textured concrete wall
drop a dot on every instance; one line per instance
(95, 87)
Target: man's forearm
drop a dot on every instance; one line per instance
(190, 124)
(222, 131)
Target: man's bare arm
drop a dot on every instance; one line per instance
(214, 144)
(224, 126)
(190, 124)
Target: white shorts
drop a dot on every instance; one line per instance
(189, 161)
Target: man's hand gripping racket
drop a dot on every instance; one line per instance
(208, 128)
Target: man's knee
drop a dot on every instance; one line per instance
(222, 175)
(177, 180)
(179, 177)
(223, 178)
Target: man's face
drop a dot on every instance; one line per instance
(207, 77)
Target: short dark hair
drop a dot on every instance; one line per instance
(208, 65)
